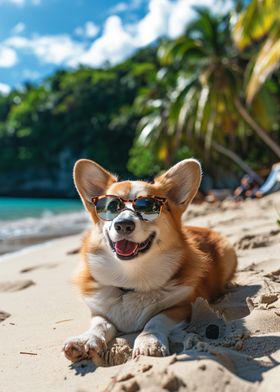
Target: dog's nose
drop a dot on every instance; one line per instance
(124, 226)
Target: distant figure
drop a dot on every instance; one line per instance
(271, 184)
(247, 185)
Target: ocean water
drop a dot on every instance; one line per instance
(26, 222)
(13, 208)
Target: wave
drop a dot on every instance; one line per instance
(17, 234)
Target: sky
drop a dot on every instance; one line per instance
(38, 37)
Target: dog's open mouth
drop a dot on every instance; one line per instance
(127, 250)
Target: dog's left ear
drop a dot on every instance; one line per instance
(181, 182)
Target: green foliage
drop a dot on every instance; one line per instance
(177, 99)
(259, 23)
(142, 162)
(183, 152)
(72, 114)
(199, 106)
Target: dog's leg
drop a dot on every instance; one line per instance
(92, 342)
(153, 340)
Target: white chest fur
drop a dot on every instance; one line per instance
(130, 311)
(148, 274)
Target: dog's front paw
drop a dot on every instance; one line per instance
(151, 345)
(85, 346)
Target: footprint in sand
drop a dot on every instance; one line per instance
(35, 267)
(73, 251)
(3, 315)
(15, 285)
(252, 241)
(274, 276)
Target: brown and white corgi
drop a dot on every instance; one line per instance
(141, 267)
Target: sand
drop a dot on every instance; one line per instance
(232, 345)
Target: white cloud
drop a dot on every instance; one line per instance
(18, 28)
(59, 49)
(118, 8)
(21, 3)
(155, 23)
(125, 6)
(114, 45)
(17, 2)
(183, 12)
(117, 41)
(164, 18)
(89, 30)
(8, 57)
(4, 89)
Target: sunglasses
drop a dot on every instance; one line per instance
(108, 207)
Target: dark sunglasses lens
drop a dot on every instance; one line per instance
(148, 208)
(108, 208)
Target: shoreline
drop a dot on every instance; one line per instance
(20, 234)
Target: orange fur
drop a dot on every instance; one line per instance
(145, 278)
(84, 279)
(202, 266)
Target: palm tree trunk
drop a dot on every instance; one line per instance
(257, 128)
(235, 158)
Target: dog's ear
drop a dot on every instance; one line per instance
(181, 182)
(91, 180)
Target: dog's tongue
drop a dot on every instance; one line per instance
(125, 248)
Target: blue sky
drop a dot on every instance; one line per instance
(40, 36)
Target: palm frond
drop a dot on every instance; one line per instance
(201, 107)
(267, 61)
(186, 108)
(148, 127)
(255, 22)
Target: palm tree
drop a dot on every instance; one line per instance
(259, 22)
(154, 105)
(209, 91)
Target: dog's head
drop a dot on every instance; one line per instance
(139, 218)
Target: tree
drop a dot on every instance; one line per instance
(211, 84)
(155, 134)
(259, 25)
(72, 114)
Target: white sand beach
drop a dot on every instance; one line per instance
(40, 308)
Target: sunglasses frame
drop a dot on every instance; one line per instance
(161, 200)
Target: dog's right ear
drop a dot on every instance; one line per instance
(91, 180)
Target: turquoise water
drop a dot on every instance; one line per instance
(12, 208)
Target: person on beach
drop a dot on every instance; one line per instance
(247, 185)
(271, 184)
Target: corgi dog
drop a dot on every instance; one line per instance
(141, 267)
